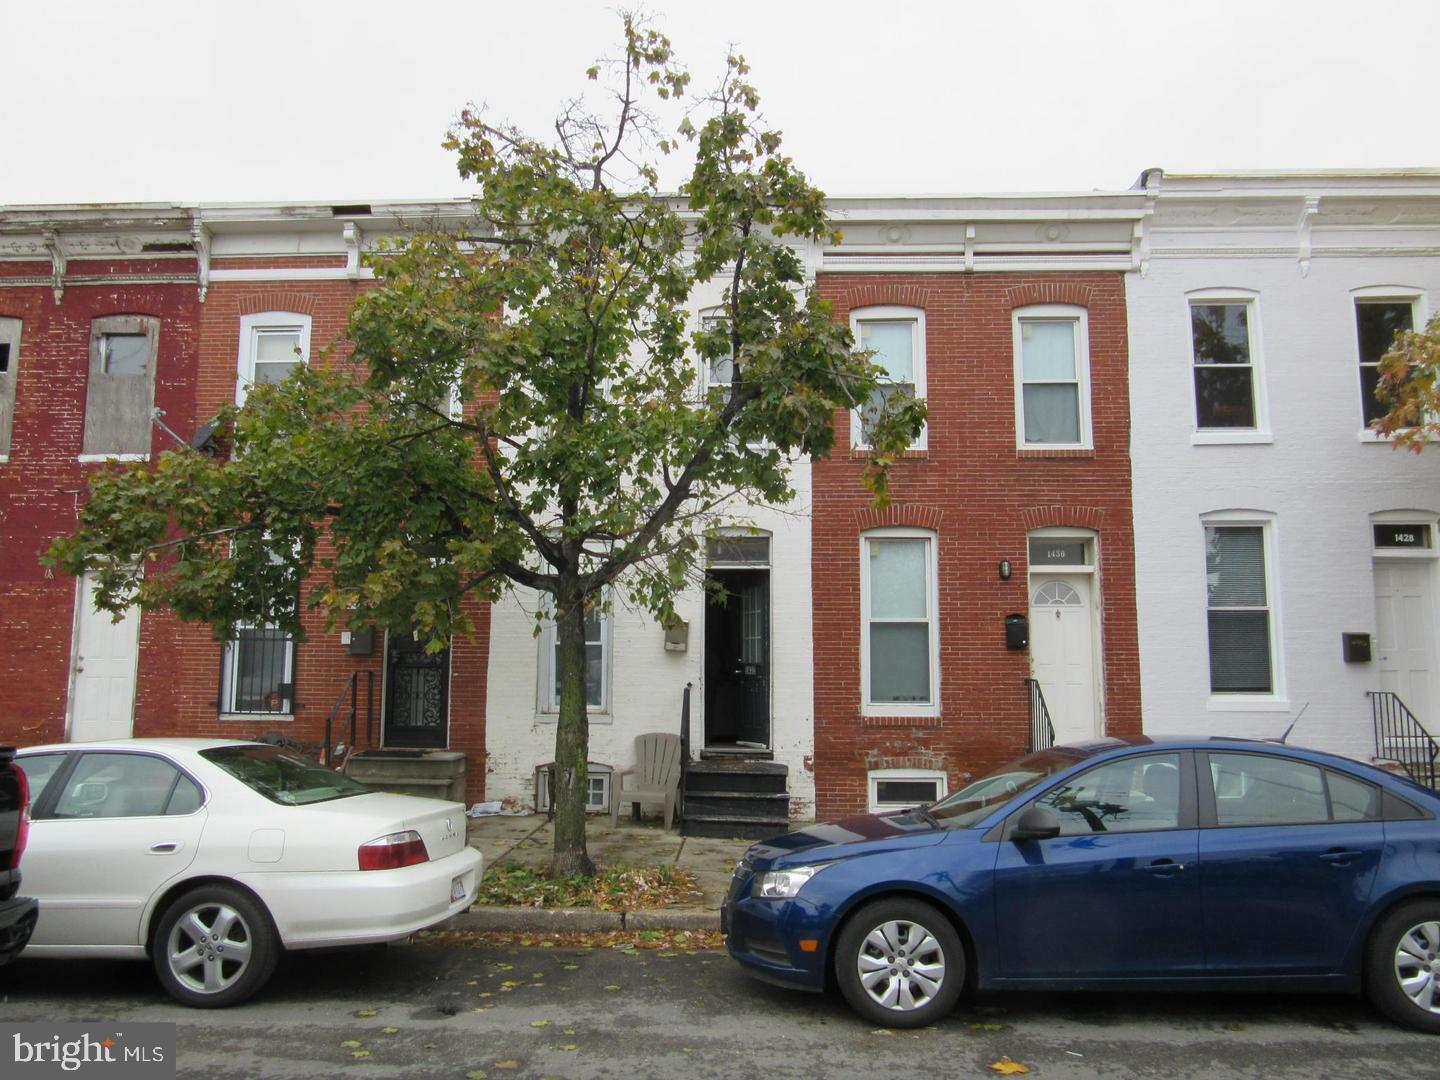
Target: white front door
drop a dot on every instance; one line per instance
(1062, 652)
(1405, 634)
(102, 684)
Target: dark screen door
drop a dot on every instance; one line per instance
(416, 695)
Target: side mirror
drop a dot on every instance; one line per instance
(1036, 823)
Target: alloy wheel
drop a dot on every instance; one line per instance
(209, 948)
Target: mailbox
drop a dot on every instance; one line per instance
(362, 642)
(1017, 631)
(1356, 648)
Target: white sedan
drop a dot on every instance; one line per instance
(211, 857)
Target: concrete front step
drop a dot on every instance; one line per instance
(435, 774)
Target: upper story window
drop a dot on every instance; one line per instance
(272, 345)
(597, 660)
(1228, 377)
(120, 393)
(9, 365)
(899, 655)
(1239, 608)
(1052, 377)
(719, 370)
(1377, 321)
(896, 336)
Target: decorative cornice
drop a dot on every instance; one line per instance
(57, 263)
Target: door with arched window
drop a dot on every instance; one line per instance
(1063, 656)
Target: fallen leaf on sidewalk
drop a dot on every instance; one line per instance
(1006, 1067)
(477, 1074)
(539, 1023)
(507, 1064)
(367, 1012)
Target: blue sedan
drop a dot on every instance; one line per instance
(1120, 864)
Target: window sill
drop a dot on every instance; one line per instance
(92, 459)
(1054, 451)
(1368, 436)
(600, 717)
(1246, 437)
(874, 719)
(278, 717)
(864, 453)
(4, 459)
(1246, 703)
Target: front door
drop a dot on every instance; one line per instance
(1062, 652)
(102, 684)
(1405, 633)
(417, 695)
(737, 661)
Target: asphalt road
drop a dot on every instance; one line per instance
(449, 1011)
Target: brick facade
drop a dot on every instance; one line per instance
(980, 495)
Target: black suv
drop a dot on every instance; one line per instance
(17, 913)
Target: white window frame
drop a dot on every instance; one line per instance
(1080, 318)
(892, 313)
(1277, 699)
(1260, 433)
(876, 776)
(594, 771)
(1383, 294)
(932, 592)
(548, 702)
(10, 333)
(252, 328)
(229, 662)
(1419, 519)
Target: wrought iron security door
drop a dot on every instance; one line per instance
(417, 688)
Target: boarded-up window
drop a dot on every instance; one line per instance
(9, 363)
(121, 390)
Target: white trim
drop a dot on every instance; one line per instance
(230, 657)
(1080, 320)
(1278, 696)
(92, 459)
(875, 776)
(893, 313)
(252, 327)
(309, 273)
(1259, 399)
(1420, 518)
(932, 596)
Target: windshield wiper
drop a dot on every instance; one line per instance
(923, 813)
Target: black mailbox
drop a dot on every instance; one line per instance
(1017, 631)
(362, 642)
(1357, 648)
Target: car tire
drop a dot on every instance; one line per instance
(1402, 965)
(900, 963)
(214, 946)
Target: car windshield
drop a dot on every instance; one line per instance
(977, 799)
(281, 776)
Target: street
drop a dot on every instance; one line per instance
(458, 1011)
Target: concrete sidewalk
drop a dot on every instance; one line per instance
(529, 841)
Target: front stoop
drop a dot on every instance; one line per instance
(735, 798)
(435, 774)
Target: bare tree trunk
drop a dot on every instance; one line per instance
(572, 742)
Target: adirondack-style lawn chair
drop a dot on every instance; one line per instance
(655, 779)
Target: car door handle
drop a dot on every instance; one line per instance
(165, 847)
(1163, 866)
(1339, 857)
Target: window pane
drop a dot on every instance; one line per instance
(900, 663)
(117, 785)
(1352, 800)
(897, 579)
(908, 792)
(261, 657)
(1369, 383)
(277, 348)
(594, 672)
(1221, 333)
(1378, 324)
(880, 401)
(274, 373)
(1240, 652)
(186, 798)
(1235, 566)
(38, 769)
(738, 549)
(125, 354)
(1255, 790)
(893, 343)
(1052, 413)
(1224, 398)
(1124, 796)
(1047, 349)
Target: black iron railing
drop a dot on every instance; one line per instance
(1042, 732)
(1399, 736)
(330, 753)
(684, 751)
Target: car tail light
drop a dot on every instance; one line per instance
(22, 834)
(393, 851)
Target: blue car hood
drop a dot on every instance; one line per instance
(867, 833)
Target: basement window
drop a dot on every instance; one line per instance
(597, 800)
(900, 789)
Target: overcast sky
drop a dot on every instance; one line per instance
(112, 100)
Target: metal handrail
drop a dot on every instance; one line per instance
(1042, 731)
(684, 750)
(351, 694)
(1399, 736)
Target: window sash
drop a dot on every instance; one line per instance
(1238, 619)
(1223, 365)
(1052, 379)
(1376, 322)
(899, 630)
(597, 681)
(897, 335)
(259, 671)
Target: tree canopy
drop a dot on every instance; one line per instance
(523, 400)
(1410, 386)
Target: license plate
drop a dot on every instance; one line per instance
(457, 889)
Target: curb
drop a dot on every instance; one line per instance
(564, 920)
